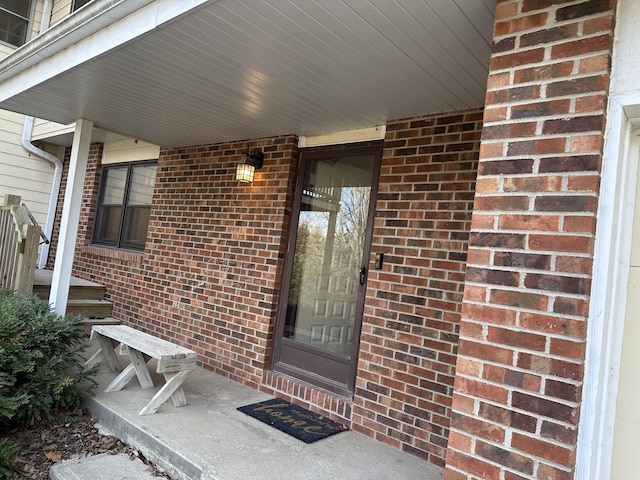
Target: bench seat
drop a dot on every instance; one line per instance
(173, 361)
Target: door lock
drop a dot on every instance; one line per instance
(363, 274)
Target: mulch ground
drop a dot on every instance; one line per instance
(70, 439)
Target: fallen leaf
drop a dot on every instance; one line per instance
(53, 456)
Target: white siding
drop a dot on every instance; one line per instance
(129, 151)
(61, 9)
(22, 174)
(36, 19)
(5, 49)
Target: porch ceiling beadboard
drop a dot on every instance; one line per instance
(233, 69)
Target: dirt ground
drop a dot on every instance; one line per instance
(73, 438)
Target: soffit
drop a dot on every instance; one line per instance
(237, 69)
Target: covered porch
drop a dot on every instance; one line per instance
(198, 77)
(209, 439)
(490, 120)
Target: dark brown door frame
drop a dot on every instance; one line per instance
(287, 365)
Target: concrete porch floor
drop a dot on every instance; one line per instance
(208, 439)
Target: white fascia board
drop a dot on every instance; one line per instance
(348, 136)
(75, 42)
(43, 130)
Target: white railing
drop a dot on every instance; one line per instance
(19, 241)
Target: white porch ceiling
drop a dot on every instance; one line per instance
(235, 69)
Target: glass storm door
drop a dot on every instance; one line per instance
(326, 271)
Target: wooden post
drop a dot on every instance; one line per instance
(7, 248)
(19, 242)
(28, 260)
(12, 199)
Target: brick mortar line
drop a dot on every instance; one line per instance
(525, 310)
(552, 295)
(536, 460)
(519, 349)
(516, 409)
(509, 268)
(561, 233)
(552, 10)
(516, 329)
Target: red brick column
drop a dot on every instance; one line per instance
(412, 310)
(522, 337)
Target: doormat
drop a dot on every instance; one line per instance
(293, 420)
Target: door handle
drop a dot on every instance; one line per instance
(363, 274)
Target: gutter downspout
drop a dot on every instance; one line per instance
(27, 131)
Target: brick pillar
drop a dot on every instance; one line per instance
(520, 362)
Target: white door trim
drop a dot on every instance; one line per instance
(609, 289)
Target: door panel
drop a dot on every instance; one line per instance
(326, 268)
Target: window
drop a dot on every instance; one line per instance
(79, 3)
(14, 21)
(124, 205)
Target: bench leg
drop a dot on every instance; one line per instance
(178, 397)
(121, 380)
(108, 353)
(139, 363)
(95, 359)
(137, 368)
(171, 387)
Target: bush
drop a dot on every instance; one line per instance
(41, 367)
(8, 450)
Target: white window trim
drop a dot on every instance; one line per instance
(609, 290)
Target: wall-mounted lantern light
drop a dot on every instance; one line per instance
(251, 161)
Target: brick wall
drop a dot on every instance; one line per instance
(522, 337)
(208, 277)
(410, 327)
(409, 335)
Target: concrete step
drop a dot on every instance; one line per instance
(102, 467)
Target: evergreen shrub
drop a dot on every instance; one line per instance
(41, 366)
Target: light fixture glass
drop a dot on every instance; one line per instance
(251, 161)
(245, 172)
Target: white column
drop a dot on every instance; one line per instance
(70, 216)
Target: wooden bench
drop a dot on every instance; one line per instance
(174, 362)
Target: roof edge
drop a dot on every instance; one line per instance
(80, 24)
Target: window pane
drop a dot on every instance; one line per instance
(19, 7)
(330, 242)
(125, 205)
(13, 30)
(135, 226)
(79, 3)
(114, 186)
(108, 224)
(141, 189)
